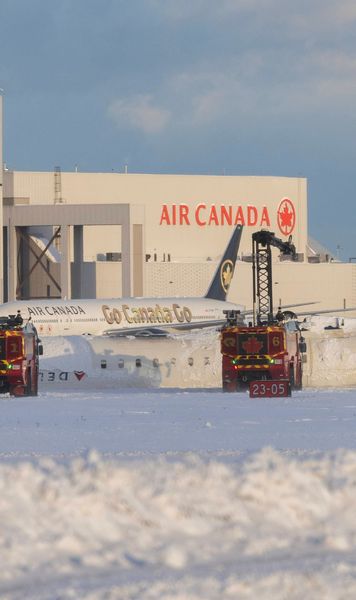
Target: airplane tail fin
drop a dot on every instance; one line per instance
(223, 275)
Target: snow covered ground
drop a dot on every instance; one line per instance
(171, 494)
(108, 492)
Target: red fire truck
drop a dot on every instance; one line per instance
(270, 348)
(262, 353)
(20, 349)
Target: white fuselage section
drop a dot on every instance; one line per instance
(97, 317)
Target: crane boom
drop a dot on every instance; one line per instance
(262, 272)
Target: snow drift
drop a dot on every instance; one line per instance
(95, 517)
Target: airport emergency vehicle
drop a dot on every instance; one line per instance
(20, 349)
(265, 354)
(272, 354)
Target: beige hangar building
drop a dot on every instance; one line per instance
(77, 235)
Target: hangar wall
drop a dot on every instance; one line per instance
(188, 220)
(177, 207)
(330, 285)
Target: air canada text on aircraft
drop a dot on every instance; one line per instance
(147, 314)
(224, 214)
(55, 311)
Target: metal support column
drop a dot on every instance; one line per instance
(138, 260)
(126, 237)
(12, 261)
(23, 263)
(5, 264)
(65, 261)
(77, 275)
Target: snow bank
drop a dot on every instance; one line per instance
(331, 359)
(179, 527)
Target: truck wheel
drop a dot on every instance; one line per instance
(230, 386)
(28, 386)
(299, 384)
(17, 390)
(35, 383)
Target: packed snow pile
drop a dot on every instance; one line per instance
(100, 520)
(331, 360)
(331, 352)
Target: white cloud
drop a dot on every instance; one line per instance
(336, 62)
(342, 12)
(297, 19)
(253, 83)
(140, 113)
(177, 10)
(207, 106)
(266, 83)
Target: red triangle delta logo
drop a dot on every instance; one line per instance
(79, 375)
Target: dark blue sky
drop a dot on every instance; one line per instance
(242, 87)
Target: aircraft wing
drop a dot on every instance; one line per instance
(298, 304)
(163, 330)
(305, 313)
(335, 311)
(282, 307)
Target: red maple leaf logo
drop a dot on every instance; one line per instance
(252, 345)
(286, 216)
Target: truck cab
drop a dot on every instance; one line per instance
(20, 349)
(262, 352)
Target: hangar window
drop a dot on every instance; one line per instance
(190, 361)
(103, 364)
(121, 363)
(138, 362)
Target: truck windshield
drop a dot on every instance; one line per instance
(14, 347)
(252, 343)
(2, 348)
(271, 342)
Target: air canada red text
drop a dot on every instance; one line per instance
(224, 214)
